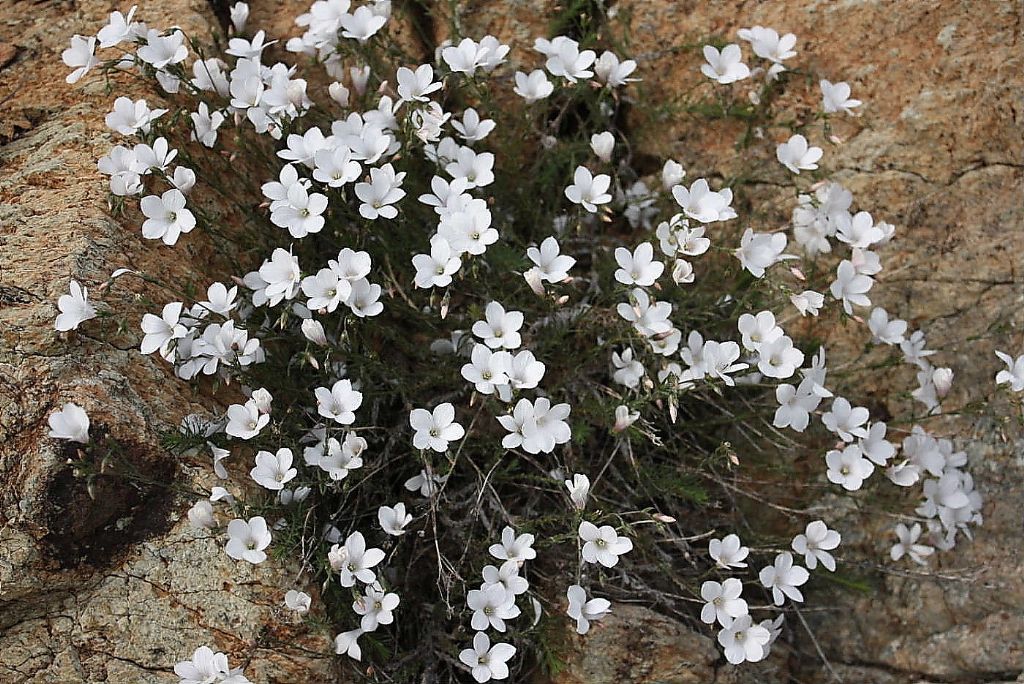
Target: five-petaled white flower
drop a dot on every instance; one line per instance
(206, 667)
(435, 429)
(358, 561)
(375, 608)
(603, 544)
(744, 641)
(393, 519)
(491, 606)
(783, 578)
(726, 66)
(728, 552)
(166, 216)
(797, 156)
(722, 601)
(639, 266)
(487, 662)
(247, 539)
(815, 543)
(74, 308)
(589, 190)
(1013, 374)
(70, 423)
(835, 97)
(273, 471)
(500, 328)
(512, 547)
(583, 611)
(339, 403)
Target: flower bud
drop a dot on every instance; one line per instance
(682, 272)
(239, 16)
(201, 515)
(624, 418)
(337, 557)
(672, 174)
(579, 490)
(339, 93)
(360, 77)
(262, 399)
(314, 332)
(602, 144)
(942, 378)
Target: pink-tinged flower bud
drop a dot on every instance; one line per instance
(942, 378)
(314, 332)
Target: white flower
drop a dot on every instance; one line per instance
(506, 576)
(883, 329)
(859, 231)
(426, 483)
(579, 490)
(875, 446)
(589, 190)
(301, 213)
(767, 44)
(500, 329)
(248, 539)
(161, 51)
(339, 403)
(361, 24)
(437, 268)
(796, 156)
(848, 467)
(682, 272)
(468, 231)
(119, 27)
(744, 641)
(583, 611)
(602, 544)
(808, 302)
(612, 72)
(472, 128)
(273, 471)
(348, 643)
(757, 330)
(80, 57)
(845, 420)
(326, 290)
(166, 216)
(908, 546)
(393, 519)
(358, 561)
(487, 369)
(129, 117)
(783, 578)
(383, 190)
(702, 204)
(336, 458)
(815, 543)
(628, 370)
(534, 86)
(476, 168)
(487, 662)
(161, 331)
(206, 667)
(491, 607)
(566, 60)
(298, 601)
(624, 418)
(550, 264)
(464, 57)
(728, 552)
(760, 251)
(512, 547)
(722, 601)
(649, 318)
(835, 97)
(375, 607)
(795, 405)
(70, 423)
(638, 267)
(416, 85)
(200, 515)
(434, 430)
(726, 66)
(246, 420)
(74, 308)
(779, 358)
(335, 167)
(1013, 374)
